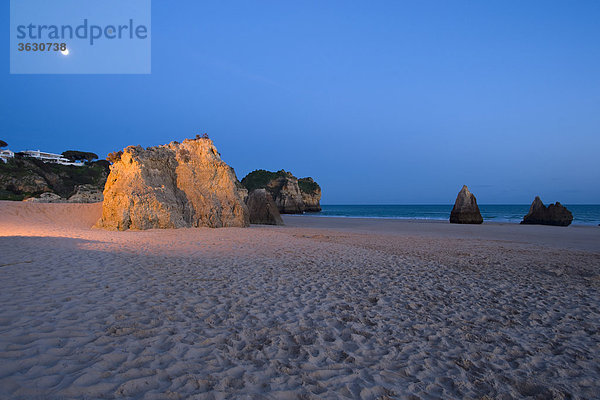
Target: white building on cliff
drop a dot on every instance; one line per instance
(6, 154)
(40, 155)
(46, 157)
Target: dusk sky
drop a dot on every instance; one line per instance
(386, 102)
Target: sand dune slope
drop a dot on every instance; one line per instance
(20, 216)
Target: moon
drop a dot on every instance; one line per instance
(65, 52)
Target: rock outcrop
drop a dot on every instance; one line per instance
(555, 214)
(263, 209)
(465, 209)
(83, 194)
(86, 194)
(173, 186)
(311, 194)
(287, 194)
(291, 195)
(47, 197)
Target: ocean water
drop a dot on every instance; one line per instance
(582, 214)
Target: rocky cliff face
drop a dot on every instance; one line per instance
(26, 178)
(555, 214)
(311, 194)
(465, 209)
(173, 186)
(83, 194)
(286, 194)
(291, 195)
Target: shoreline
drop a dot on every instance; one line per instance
(583, 214)
(574, 237)
(487, 220)
(425, 219)
(27, 219)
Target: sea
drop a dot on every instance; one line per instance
(511, 213)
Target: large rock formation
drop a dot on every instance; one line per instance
(291, 195)
(263, 209)
(555, 214)
(173, 186)
(465, 209)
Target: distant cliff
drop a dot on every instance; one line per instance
(311, 194)
(23, 178)
(291, 195)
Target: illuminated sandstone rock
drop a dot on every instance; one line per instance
(173, 186)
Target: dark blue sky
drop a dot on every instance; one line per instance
(381, 102)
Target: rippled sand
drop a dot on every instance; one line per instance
(320, 308)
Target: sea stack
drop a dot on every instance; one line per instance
(465, 209)
(555, 214)
(290, 194)
(173, 186)
(263, 209)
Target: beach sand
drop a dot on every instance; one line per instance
(319, 308)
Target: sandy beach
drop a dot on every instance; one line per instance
(320, 308)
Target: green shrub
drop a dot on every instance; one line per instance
(260, 178)
(307, 185)
(8, 195)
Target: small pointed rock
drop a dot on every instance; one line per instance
(555, 214)
(465, 209)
